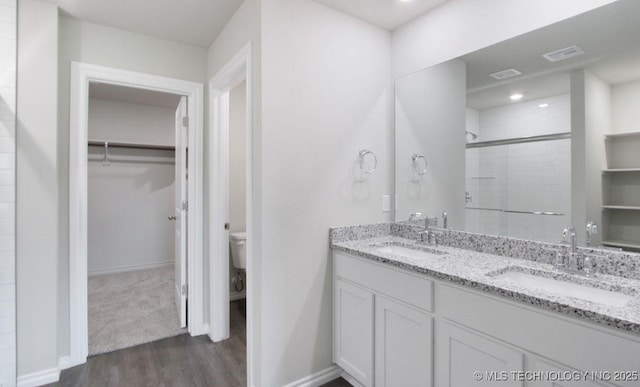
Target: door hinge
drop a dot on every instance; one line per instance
(185, 205)
(185, 290)
(185, 122)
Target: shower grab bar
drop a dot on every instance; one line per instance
(515, 211)
(519, 140)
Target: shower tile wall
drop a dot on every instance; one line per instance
(7, 192)
(520, 177)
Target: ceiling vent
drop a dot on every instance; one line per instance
(563, 53)
(504, 74)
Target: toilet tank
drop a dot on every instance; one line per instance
(238, 241)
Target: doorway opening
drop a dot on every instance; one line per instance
(135, 213)
(233, 283)
(137, 184)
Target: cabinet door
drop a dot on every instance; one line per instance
(544, 373)
(404, 345)
(353, 331)
(465, 358)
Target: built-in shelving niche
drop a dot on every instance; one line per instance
(621, 191)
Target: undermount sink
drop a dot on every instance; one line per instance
(542, 280)
(419, 252)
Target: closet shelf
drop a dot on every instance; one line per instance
(622, 243)
(616, 170)
(131, 145)
(620, 135)
(611, 207)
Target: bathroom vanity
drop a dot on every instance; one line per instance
(411, 314)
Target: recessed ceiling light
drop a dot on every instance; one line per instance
(516, 97)
(543, 105)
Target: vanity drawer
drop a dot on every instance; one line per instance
(411, 288)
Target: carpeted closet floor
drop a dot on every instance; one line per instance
(127, 309)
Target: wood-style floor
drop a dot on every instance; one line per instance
(177, 361)
(182, 361)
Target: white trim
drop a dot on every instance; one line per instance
(351, 380)
(238, 68)
(39, 378)
(64, 362)
(81, 75)
(319, 378)
(124, 269)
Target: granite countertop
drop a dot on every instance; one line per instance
(477, 270)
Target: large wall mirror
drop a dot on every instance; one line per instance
(530, 135)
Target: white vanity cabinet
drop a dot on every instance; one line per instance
(468, 358)
(403, 344)
(383, 333)
(353, 330)
(394, 327)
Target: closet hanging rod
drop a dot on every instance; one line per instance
(131, 145)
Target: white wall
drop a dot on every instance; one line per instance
(134, 189)
(114, 121)
(37, 187)
(625, 104)
(326, 95)
(95, 44)
(524, 119)
(430, 120)
(590, 120)
(8, 20)
(459, 27)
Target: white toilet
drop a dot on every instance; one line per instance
(238, 249)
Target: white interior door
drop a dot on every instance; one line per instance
(181, 207)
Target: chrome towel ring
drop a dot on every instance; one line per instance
(363, 163)
(415, 162)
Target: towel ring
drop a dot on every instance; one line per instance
(414, 161)
(362, 154)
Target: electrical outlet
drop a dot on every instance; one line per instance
(386, 203)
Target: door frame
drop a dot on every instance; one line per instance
(234, 72)
(81, 75)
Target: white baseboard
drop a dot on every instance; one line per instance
(352, 381)
(237, 295)
(319, 378)
(39, 378)
(123, 269)
(65, 362)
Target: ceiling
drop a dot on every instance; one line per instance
(608, 35)
(132, 95)
(193, 22)
(198, 22)
(388, 14)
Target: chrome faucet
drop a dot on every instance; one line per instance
(428, 234)
(569, 236)
(592, 229)
(574, 261)
(444, 219)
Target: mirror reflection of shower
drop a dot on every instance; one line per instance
(470, 136)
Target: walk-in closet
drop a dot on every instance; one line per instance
(132, 217)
